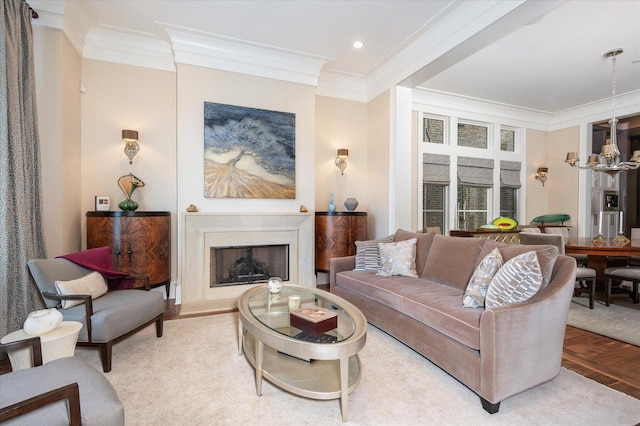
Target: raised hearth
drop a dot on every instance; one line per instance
(202, 231)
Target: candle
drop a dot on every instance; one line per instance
(621, 231)
(600, 223)
(294, 302)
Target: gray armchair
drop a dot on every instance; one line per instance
(62, 392)
(106, 319)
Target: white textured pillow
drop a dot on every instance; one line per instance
(92, 284)
(368, 254)
(398, 258)
(476, 290)
(518, 280)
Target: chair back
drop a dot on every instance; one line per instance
(543, 239)
(558, 230)
(635, 233)
(530, 230)
(435, 229)
(45, 272)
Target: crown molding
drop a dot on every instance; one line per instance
(124, 48)
(50, 13)
(342, 86)
(214, 51)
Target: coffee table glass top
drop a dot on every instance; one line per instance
(272, 310)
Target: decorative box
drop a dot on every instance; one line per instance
(313, 320)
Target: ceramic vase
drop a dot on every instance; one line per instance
(351, 204)
(332, 204)
(42, 321)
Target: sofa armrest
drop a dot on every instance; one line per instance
(339, 264)
(521, 343)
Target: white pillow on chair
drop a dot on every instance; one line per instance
(92, 284)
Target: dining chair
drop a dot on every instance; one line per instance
(634, 260)
(629, 273)
(581, 259)
(586, 276)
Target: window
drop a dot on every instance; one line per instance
(485, 180)
(434, 202)
(507, 140)
(472, 207)
(473, 136)
(433, 130)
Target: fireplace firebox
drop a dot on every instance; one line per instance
(248, 264)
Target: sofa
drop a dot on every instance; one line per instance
(497, 351)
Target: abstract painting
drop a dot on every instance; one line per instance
(248, 152)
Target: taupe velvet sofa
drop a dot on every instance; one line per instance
(497, 352)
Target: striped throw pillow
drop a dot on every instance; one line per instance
(368, 254)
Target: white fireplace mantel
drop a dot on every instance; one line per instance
(203, 230)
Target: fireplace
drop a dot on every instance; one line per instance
(248, 264)
(204, 230)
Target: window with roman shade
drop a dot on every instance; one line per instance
(510, 174)
(475, 172)
(435, 169)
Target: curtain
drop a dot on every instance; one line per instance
(21, 233)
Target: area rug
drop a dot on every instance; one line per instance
(194, 375)
(615, 321)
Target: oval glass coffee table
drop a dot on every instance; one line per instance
(323, 366)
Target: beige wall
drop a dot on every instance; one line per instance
(563, 180)
(121, 97)
(378, 165)
(537, 196)
(57, 68)
(197, 85)
(341, 124)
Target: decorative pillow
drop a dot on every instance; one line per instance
(398, 258)
(476, 290)
(368, 254)
(517, 281)
(547, 256)
(423, 245)
(92, 284)
(452, 260)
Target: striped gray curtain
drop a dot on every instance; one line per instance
(21, 233)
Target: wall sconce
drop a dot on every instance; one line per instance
(341, 160)
(541, 174)
(131, 147)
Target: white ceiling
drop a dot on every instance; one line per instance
(549, 66)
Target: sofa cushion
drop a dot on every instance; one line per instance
(517, 281)
(436, 305)
(547, 256)
(476, 290)
(452, 260)
(398, 258)
(368, 254)
(423, 244)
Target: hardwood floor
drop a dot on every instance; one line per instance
(613, 363)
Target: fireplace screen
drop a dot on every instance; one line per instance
(248, 264)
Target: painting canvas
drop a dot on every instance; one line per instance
(248, 152)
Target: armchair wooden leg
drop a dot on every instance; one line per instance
(105, 356)
(159, 326)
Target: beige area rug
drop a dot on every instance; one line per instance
(618, 321)
(194, 376)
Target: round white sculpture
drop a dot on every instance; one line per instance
(274, 285)
(42, 321)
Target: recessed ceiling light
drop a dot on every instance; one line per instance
(358, 44)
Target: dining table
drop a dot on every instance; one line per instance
(601, 256)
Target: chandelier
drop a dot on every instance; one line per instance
(610, 153)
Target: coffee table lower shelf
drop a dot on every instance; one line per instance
(315, 379)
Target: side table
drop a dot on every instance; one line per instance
(58, 343)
